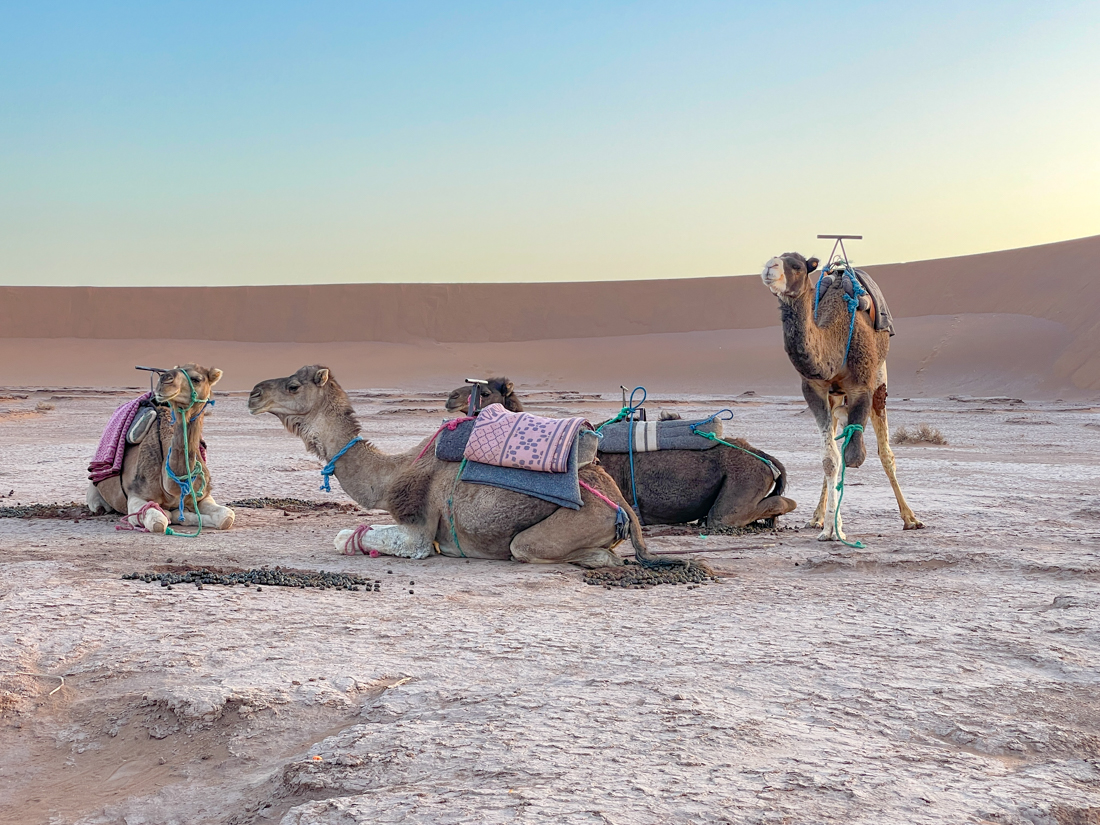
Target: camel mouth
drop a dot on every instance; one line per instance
(166, 399)
(257, 406)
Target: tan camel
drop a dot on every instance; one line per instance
(723, 484)
(145, 483)
(426, 498)
(840, 391)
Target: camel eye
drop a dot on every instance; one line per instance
(294, 387)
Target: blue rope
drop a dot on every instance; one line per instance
(330, 468)
(843, 269)
(187, 485)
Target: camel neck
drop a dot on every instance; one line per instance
(363, 471)
(176, 459)
(808, 343)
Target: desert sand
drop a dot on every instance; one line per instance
(1023, 321)
(947, 675)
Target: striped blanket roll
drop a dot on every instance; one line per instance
(648, 436)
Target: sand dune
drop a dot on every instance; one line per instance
(1024, 321)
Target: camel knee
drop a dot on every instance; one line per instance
(855, 453)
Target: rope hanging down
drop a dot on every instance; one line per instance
(628, 412)
(842, 269)
(187, 485)
(846, 436)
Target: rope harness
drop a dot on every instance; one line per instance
(622, 520)
(187, 484)
(712, 437)
(329, 469)
(842, 269)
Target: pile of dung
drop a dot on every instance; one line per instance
(73, 510)
(294, 505)
(278, 577)
(635, 577)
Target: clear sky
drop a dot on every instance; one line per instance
(273, 142)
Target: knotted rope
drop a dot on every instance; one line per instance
(126, 524)
(628, 412)
(712, 437)
(187, 485)
(355, 542)
(330, 468)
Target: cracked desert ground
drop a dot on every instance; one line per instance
(948, 675)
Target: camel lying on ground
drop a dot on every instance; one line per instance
(723, 485)
(843, 367)
(145, 483)
(429, 502)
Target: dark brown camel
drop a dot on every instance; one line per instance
(723, 485)
(839, 391)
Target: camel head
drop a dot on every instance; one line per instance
(497, 391)
(788, 275)
(175, 385)
(309, 390)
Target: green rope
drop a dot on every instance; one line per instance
(190, 469)
(713, 437)
(623, 413)
(846, 435)
(451, 508)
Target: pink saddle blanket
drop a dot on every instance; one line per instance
(112, 444)
(522, 440)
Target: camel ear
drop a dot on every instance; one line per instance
(811, 265)
(507, 389)
(213, 375)
(320, 378)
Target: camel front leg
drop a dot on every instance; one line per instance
(886, 456)
(385, 540)
(214, 514)
(139, 514)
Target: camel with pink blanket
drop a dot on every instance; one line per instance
(149, 479)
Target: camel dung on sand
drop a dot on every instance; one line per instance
(842, 383)
(426, 498)
(723, 485)
(145, 490)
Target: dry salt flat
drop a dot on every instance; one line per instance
(949, 675)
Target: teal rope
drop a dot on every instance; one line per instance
(713, 437)
(188, 485)
(846, 435)
(451, 508)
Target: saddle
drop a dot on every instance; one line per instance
(873, 302)
(451, 444)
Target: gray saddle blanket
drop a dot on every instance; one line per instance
(883, 318)
(451, 444)
(648, 436)
(563, 489)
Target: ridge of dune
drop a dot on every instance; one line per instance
(1056, 284)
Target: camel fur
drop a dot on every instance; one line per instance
(839, 391)
(489, 523)
(145, 479)
(722, 485)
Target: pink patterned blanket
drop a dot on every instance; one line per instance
(112, 446)
(522, 440)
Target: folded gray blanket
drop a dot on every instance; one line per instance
(563, 489)
(658, 435)
(449, 444)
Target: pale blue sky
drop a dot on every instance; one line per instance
(274, 142)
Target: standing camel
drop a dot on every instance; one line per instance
(842, 382)
(430, 503)
(146, 490)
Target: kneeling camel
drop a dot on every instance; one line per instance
(725, 485)
(425, 496)
(146, 490)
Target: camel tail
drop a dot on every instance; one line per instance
(781, 480)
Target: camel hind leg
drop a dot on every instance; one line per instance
(886, 455)
(583, 537)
